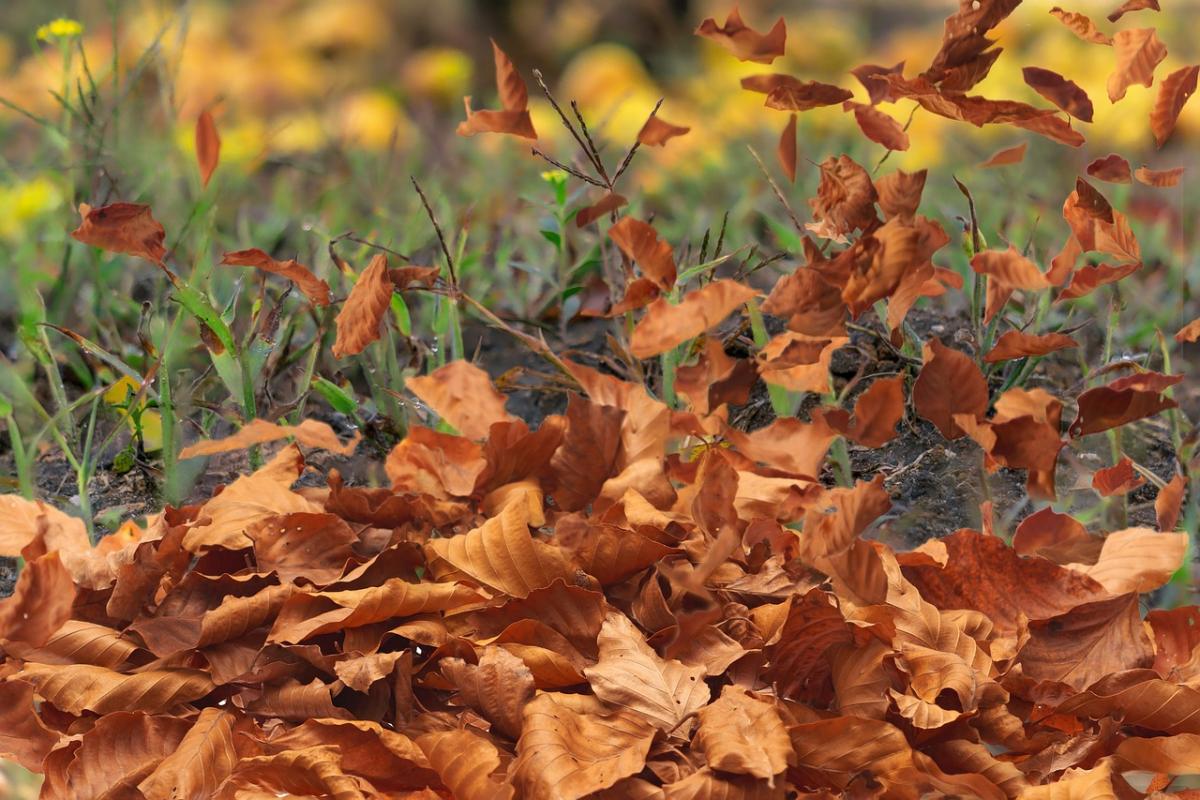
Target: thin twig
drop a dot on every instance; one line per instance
(349, 237)
(778, 192)
(567, 169)
(441, 238)
(629, 156)
(537, 345)
(537, 73)
(587, 135)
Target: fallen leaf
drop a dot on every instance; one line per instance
(1160, 178)
(639, 241)
(127, 228)
(361, 315)
(313, 287)
(1174, 92)
(1168, 502)
(745, 42)
(1111, 168)
(1007, 156)
(787, 149)
(309, 433)
(1118, 479)
(1123, 401)
(1016, 344)
(1081, 26)
(657, 131)
(1132, 5)
(208, 146)
(514, 117)
(1138, 52)
(949, 383)
(666, 326)
(464, 396)
(1064, 93)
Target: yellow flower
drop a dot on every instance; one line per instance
(119, 394)
(439, 73)
(25, 202)
(61, 28)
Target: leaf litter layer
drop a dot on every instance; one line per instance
(637, 598)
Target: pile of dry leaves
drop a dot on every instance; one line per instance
(637, 600)
(587, 610)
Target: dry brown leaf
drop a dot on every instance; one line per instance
(1132, 5)
(1081, 26)
(1111, 168)
(208, 146)
(949, 384)
(743, 41)
(310, 433)
(1160, 178)
(1064, 93)
(513, 118)
(639, 241)
(361, 315)
(464, 396)
(666, 326)
(122, 228)
(573, 745)
(631, 676)
(787, 149)
(1007, 156)
(657, 131)
(1138, 52)
(743, 734)
(1174, 92)
(1016, 344)
(313, 287)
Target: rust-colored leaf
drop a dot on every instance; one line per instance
(1123, 401)
(657, 131)
(208, 146)
(1138, 52)
(1168, 503)
(313, 287)
(665, 326)
(1112, 168)
(1117, 480)
(743, 41)
(1007, 156)
(463, 395)
(787, 149)
(949, 383)
(1081, 26)
(1016, 344)
(1174, 92)
(610, 202)
(1132, 5)
(309, 433)
(361, 315)
(1160, 178)
(639, 241)
(1064, 93)
(879, 127)
(127, 228)
(513, 118)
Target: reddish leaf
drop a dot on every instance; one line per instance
(1081, 26)
(949, 384)
(879, 127)
(1138, 52)
(1111, 168)
(464, 396)
(610, 202)
(1176, 89)
(1015, 344)
(1007, 156)
(208, 146)
(1058, 90)
(361, 315)
(122, 228)
(745, 42)
(1160, 178)
(1169, 501)
(876, 413)
(1123, 401)
(787, 148)
(666, 326)
(639, 241)
(657, 131)
(313, 287)
(514, 98)
(1117, 479)
(1132, 5)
